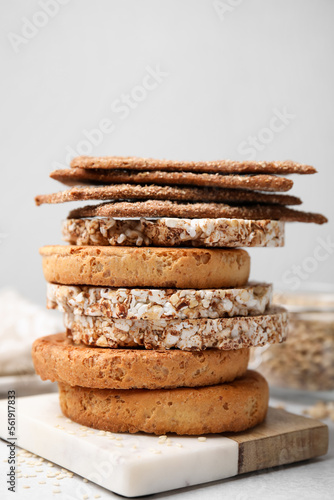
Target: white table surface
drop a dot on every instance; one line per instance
(305, 480)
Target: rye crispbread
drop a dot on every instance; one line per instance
(138, 192)
(164, 208)
(263, 182)
(220, 166)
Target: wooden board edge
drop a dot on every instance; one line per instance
(283, 438)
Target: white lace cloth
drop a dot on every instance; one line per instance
(21, 322)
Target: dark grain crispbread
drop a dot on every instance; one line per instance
(222, 166)
(156, 208)
(137, 192)
(75, 176)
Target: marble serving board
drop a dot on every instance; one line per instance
(139, 464)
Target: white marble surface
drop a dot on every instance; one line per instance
(312, 479)
(128, 464)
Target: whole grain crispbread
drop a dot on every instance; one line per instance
(220, 166)
(138, 192)
(159, 303)
(164, 208)
(187, 334)
(174, 193)
(174, 232)
(75, 176)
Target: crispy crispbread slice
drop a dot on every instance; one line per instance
(221, 166)
(75, 176)
(138, 192)
(164, 208)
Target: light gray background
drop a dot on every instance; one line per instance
(227, 74)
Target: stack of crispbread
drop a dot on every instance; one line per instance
(158, 310)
